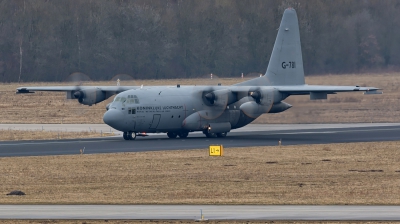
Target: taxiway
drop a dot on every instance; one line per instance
(193, 212)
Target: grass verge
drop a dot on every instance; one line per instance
(17, 135)
(354, 173)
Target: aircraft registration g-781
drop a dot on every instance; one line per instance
(214, 110)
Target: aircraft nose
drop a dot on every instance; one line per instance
(113, 118)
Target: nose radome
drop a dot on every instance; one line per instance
(113, 117)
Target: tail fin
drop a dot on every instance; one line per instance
(286, 63)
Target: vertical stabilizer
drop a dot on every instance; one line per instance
(286, 63)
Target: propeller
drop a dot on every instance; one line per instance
(263, 101)
(80, 97)
(78, 79)
(214, 101)
(262, 95)
(123, 80)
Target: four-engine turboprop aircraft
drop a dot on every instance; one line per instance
(214, 110)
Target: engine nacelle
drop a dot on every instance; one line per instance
(280, 107)
(87, 96)
(253, 109)
(263, 101)
(194, 123)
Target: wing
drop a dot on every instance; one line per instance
(115, 89)
(87, 95)
(320, 92)
(316, 92)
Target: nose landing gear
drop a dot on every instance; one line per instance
(129, 135)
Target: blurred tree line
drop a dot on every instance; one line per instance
(42, 40)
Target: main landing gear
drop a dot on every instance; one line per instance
(129, 135)
(182, 134)
(215, 135)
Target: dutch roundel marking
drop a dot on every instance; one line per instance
(290, 64)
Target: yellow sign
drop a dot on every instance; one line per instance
(216, 150)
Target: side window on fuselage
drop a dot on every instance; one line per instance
(131, 110)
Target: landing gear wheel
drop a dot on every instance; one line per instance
(131, 135)
(183, 134)
(172, 134)
(221, 135)
(209, 135)
(125, 135)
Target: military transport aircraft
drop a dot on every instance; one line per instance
(214, 110)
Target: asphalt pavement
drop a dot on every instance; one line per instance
(252, 135)
(193, 212)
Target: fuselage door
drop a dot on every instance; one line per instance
(156, 120)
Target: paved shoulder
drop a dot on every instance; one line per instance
(211, 212)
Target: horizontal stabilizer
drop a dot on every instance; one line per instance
(308, 89)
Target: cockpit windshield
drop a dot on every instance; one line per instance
(130, 99)
(133, 99)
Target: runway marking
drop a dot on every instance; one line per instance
(332, 132)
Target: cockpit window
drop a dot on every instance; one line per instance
(132, 99)
(116, 99)
(123, 99)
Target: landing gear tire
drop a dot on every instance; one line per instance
(172, 134)
(221, 135)
(129, 135)
(209, 135)
(125, 135)
(183, 134)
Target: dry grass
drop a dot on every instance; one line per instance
(17, 135)
(341, 108)
(355, 173)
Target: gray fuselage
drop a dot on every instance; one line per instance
(167, 108)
